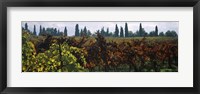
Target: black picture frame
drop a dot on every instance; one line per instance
(100, 3)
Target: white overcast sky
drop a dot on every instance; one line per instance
(94, 26)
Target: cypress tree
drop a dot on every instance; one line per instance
(34, 30)
(85, 31)
(121, 32)
(126, 30)
(156, 31)
(116, 31)
(77, 30)
(107, 32)
(102, 31)
(40, 33)
(140, 30)
(26, 26)
(43, 30)
(55, 32)
(65, 31)
(81, 33)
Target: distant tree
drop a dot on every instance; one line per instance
(161, 34)
(102, 31)
(77, 30)
(130, 34)
(61, 33)
(152, 33)
(156, 31)
(116, 31)
(58, 32)
(174, 34)
(126, 30)
(145, 34)
(85, 31)
(81, 33)
(121, 32)
(23, 28)
(168, 33)
(65, 31)
(111, 34)
(136, 34)
(98, 31)
(43, 30)
(26, 26)
(40, 33)
(171, 34)
(55, 32)
(89, 33)
(34, 30)
(107, 32)
(140, 30)
(50, 31)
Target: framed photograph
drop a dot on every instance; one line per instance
(87, 46)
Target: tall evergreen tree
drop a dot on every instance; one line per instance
(140, 30)
(77, 30)
(59, 33)
(26, 26)
(55, 32)
(102, 31)
(81, 33)
(34, 30)
(85, 31)
(116, 31)
(126, 30)
(65, 31)
(40, 33)
(121, 32)
(98, 31)
(89, 33)
(43, 30)
(156, 31)
(107, 32)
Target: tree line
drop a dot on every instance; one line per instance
(119, 32)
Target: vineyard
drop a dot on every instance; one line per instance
(98, 54)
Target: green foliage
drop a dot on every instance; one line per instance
(28, 52)
(58, 58)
